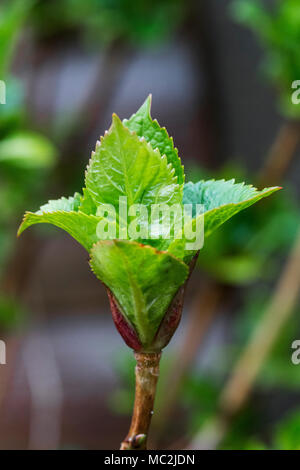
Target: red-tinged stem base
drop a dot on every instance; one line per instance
(146, 377)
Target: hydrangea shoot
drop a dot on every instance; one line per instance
(135, 217)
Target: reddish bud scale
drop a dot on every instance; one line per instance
(125, 330)
(172, 317)
(167, 327)
(170, 321)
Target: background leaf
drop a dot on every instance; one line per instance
(27, 150)
(12, 16)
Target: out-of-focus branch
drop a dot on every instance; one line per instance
(202, 313)
(21, 265)
(46, 392)
(254, 356)
(242, 379)
(112, 63)
(280, 155)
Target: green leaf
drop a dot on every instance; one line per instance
(287, 432)
(124, 165)
(63, 213)
(27, 151)
(87, 204)
(250, 12)
(63, 204)
(221, 200)
(142, 123)
(143, 280)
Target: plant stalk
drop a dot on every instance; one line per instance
(146, 377)
(281, 154)
(254, 356)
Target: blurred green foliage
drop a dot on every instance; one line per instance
(143, 22)
(278, 371)
(25, 156)
(287, 434)
(26, 151)
(278, 29)
(248, 431)
(199, 397)
(121, 400)
(12, 16)
(11, 313)
(199, 400)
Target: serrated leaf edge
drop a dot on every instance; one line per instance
(155, 121)
(143, 141)
(22, 229)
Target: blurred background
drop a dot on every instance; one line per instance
(221, 75)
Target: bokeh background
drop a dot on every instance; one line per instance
(220, 73)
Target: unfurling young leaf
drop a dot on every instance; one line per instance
(144, 270)
(142, 123)
(125, 165)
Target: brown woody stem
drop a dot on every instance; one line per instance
(146, 376)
